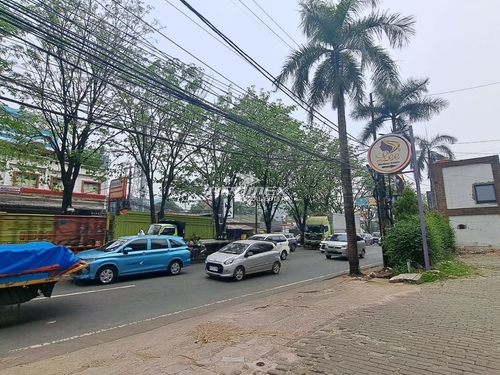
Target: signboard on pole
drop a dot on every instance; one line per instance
(118, 189)
(389, 154)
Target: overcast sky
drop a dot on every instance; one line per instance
(455, 46)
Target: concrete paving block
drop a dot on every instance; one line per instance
(414, 277)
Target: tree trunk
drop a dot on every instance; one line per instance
(345, 173)
(152, 210)
(69, 186)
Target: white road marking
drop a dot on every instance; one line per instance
(86, 292)
(178, 312)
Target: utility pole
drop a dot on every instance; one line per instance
(129, 186)
(380, 191)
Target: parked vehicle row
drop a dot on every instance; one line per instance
(153, 253)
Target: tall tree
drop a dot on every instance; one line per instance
(311, 179)
(160, 130)
(341, 45)
(70, 57)
(400, 104)
(215, 171)
(268, 159)
(433, 149)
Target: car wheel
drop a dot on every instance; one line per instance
(328, 256)
(174, 268)
(107, 274)
(362, 254)
(239, 273)
(283, 255)
(276, 268)
(292, 249)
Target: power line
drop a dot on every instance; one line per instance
(132, 70)
(139, 74)
(265, 24)
(271, 18)
(465, 89)
(265, 73)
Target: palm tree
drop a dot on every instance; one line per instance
(432, 150)
(340, 46)
(402, 104)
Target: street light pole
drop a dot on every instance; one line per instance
(380, 190)
(256, 224)
(419, 198)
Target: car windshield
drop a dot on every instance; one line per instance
(154, 229)
(314, 228)
(112, 245)
(258, 238)
(234, 248)
(376, 234)
(338, 237)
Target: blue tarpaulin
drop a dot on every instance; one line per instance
(17, 259)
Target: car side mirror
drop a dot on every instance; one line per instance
(250, 253)
(126, 250)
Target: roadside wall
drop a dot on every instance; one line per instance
(131, 223)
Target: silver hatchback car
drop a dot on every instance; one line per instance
(243, 257)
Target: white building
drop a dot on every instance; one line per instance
(468, 192)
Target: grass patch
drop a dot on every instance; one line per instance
(445, 270)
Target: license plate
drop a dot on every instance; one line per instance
(213, 268)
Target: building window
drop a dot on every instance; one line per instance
(26, 179)
(91, 187)
(57, 184)
(485, 193)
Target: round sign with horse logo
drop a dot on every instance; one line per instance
(389, 154)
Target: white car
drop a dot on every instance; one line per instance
(336, 245)
(278, 239)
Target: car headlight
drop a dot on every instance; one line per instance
(229, 261)
(343, 247)
(89, 259)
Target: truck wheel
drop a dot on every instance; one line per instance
(107, 274)
(328, 256)
(239, 273)
(174, 268)
(276, 268)
(363, 252)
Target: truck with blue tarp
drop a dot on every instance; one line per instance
(32, 269)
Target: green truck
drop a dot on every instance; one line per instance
(321, 226)
(318, 227)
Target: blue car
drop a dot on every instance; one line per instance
(134, 255)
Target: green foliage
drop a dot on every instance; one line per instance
(399, 104)
(445, 270)
(403, 241)
(433, 149)
(439, 223)
(406, 205)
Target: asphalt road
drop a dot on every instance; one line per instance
(80, 315)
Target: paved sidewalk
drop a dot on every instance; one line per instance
(450, 327)
(338, 326)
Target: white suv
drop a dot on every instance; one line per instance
(279, 240)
